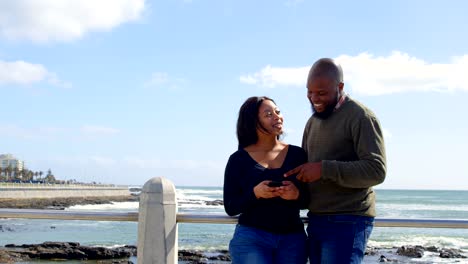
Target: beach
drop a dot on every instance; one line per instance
(212, 238)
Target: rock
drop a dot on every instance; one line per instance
(451, 253)
(385, 259)
(432, 249)
(215, 202)
(104, 253)
(12, 257)
(411, 251)
(71, 250)
(6, 229)
(370, 251)
(195, 256)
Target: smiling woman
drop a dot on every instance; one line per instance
(268, 213)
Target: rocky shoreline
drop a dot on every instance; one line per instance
(74, 251)
(404, 253)
(12, 253)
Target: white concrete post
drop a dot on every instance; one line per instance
(157, 227)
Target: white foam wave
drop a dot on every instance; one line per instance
(133, 206)
(428, 257)
(205, 248)
(110, 246)
(199, 191)
(199, 206)
(120, 206)
(438, 241)
(183, 197)
(417, 207)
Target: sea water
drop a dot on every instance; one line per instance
(404, 204)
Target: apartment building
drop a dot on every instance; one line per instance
(8, 160)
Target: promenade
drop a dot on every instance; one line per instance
(29, 190)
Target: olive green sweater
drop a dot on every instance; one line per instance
(350, 145)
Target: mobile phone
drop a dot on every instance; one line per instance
(275, 184)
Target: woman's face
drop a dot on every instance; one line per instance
(270, 119)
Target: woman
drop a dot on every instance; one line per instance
(270, 229)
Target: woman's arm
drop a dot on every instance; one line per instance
(236, 194)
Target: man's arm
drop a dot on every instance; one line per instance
(370, 168)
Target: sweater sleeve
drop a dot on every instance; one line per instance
(236, 198)
(305, 136)
(303, 200)
(370, 167)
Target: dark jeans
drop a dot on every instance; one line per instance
(255, 246)
(339, 239)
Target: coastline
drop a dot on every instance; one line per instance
(63, 202)
(73, 251)
(409, 254)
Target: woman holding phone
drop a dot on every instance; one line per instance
(270, 229)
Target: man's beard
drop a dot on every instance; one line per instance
(329, 109)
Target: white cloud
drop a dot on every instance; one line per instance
(399, 72)
(103, 161)
(98, 130)
(55, 20)
(271, 77)
(367, 74)
(157, 79)
(25, 133)
(25, 73)
(54, 133)
(162, 79)
(142, 163)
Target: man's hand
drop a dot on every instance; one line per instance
(307, 172)
(262, 190)
(288, 191)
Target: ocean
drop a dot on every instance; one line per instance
(407, 204)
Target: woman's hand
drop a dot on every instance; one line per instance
(288, 191)
(262, 190)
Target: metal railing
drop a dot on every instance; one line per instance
(28, 185)
(207, 218)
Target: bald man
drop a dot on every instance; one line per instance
(346, 157)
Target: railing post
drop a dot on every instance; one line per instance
(157, 227)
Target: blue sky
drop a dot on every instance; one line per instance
(122, 91)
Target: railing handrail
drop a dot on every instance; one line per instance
(207, 218)
(26, 185)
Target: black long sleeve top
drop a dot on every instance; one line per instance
(275, 215)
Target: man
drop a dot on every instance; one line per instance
(346, 157)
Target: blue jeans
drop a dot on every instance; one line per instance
(255, 246)
(339, 239)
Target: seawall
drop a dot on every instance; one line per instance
(58, 191)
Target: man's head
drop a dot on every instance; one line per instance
(324, 87)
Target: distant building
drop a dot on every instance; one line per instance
(8, 160)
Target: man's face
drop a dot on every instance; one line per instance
(323, 94)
